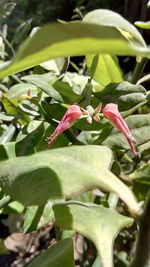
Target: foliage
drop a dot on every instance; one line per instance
(38, 84)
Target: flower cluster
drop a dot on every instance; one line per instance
(110, 111)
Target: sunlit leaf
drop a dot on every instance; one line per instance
(60, 173)
(99, 224)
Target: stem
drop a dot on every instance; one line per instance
(113, 200)
(7, 43)
(5, 201)
(142, 252)
(144, 79)
(138, 70)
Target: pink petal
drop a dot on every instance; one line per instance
(73, 113)
(112, 113)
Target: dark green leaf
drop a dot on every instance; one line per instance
(29, 138)
(60, 254)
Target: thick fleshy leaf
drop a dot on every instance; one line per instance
(99, 224)
(110, 18)
(140, 129)
(60, 173)
(104, 69)
(125, 94)
(60, 254)
(72, 39)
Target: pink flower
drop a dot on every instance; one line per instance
(73, 113)
(112, 113)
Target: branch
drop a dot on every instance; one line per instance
(138, 70)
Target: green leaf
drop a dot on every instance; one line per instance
(29, 137)
(13, 207)
(141, 175)
(7, 150)
(125, 94)
(21, 32)
(60, 254)
(11, 107)
(140, 129)
(144, 149)
(20, 90)
(7, 134)
(101, 227)
(61, 141)
(142, 24)
(5, 117)
(44, 81)
(60, 173)
(72, 39)
(105, 17)
(37, 216)
(54, 65)
(60, 91)
(104, 69)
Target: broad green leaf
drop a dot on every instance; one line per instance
(100, 225)
(60, 173)
(110, 18)
(104, 69)
(73, 39)
(60, 254)
(141, 175)
(142, 24)
(11, 107)
(29, 137)
(60, 91)
(7, 150)
(125, 94)
(20, 90)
